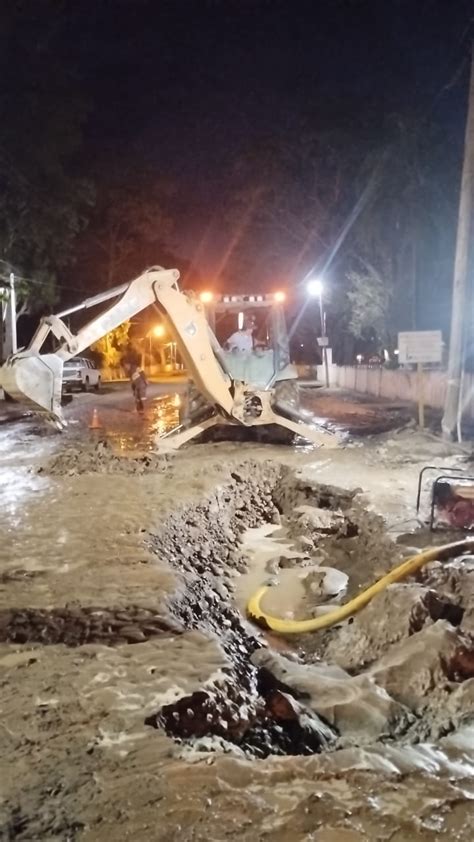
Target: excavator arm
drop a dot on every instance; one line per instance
(35, 379)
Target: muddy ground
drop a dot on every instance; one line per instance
(138, 703)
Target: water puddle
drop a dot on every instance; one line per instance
(129, 431)
(18, 451)
(299, 581)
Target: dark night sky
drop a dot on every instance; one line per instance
(186, 87)
(187, 84)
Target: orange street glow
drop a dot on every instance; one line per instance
(206, 297)
(159, 331)
(280, 296)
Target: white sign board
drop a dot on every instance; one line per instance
(420, 346)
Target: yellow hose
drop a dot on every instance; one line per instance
(256, 613)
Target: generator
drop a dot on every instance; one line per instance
(451, 500)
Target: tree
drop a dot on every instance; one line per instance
(405, 235)
(292, 199)
(130, 226)
(113, 345)
(370, 296)
(43, 198)
(379, 224)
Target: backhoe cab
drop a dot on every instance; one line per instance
(246, 388)
(253, 337)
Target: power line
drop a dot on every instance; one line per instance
(37, 282)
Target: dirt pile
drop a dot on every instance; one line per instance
(76, 625)
(394, 615)
(101, 458)
(454, 582)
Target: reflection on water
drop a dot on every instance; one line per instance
(133, 431)
(166, 416)
(18, 450)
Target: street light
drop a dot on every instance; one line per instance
(158, 331)
(315, 288)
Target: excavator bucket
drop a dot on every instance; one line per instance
(35, 381)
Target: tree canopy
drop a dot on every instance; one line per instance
(44, 197)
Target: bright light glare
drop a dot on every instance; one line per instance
(159, 331)
(315, 287)
(280, 296)
(206, 297)
(240, 321)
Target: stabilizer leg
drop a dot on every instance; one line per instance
(316, 435)
(176, 438)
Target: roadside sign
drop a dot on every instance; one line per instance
(420, 346)
(323, 341)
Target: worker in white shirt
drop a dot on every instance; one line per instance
(241, 341)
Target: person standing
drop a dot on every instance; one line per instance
(139, 385)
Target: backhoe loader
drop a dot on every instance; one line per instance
(233, 388)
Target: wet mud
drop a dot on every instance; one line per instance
(338, 688)
(76, 625)
(100, 457)
(152, 709)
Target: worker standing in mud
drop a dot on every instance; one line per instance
(139, 385)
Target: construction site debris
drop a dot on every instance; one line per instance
(102, 458)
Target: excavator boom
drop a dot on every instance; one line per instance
(35, 379)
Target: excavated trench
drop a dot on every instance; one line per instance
(336, 688)
(248, 707)
(400, 670)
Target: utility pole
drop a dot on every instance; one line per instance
(3, 308)
(460, 277)
(13, 313)
(8, 315)
(324, 338)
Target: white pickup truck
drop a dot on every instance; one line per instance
(80, 373)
